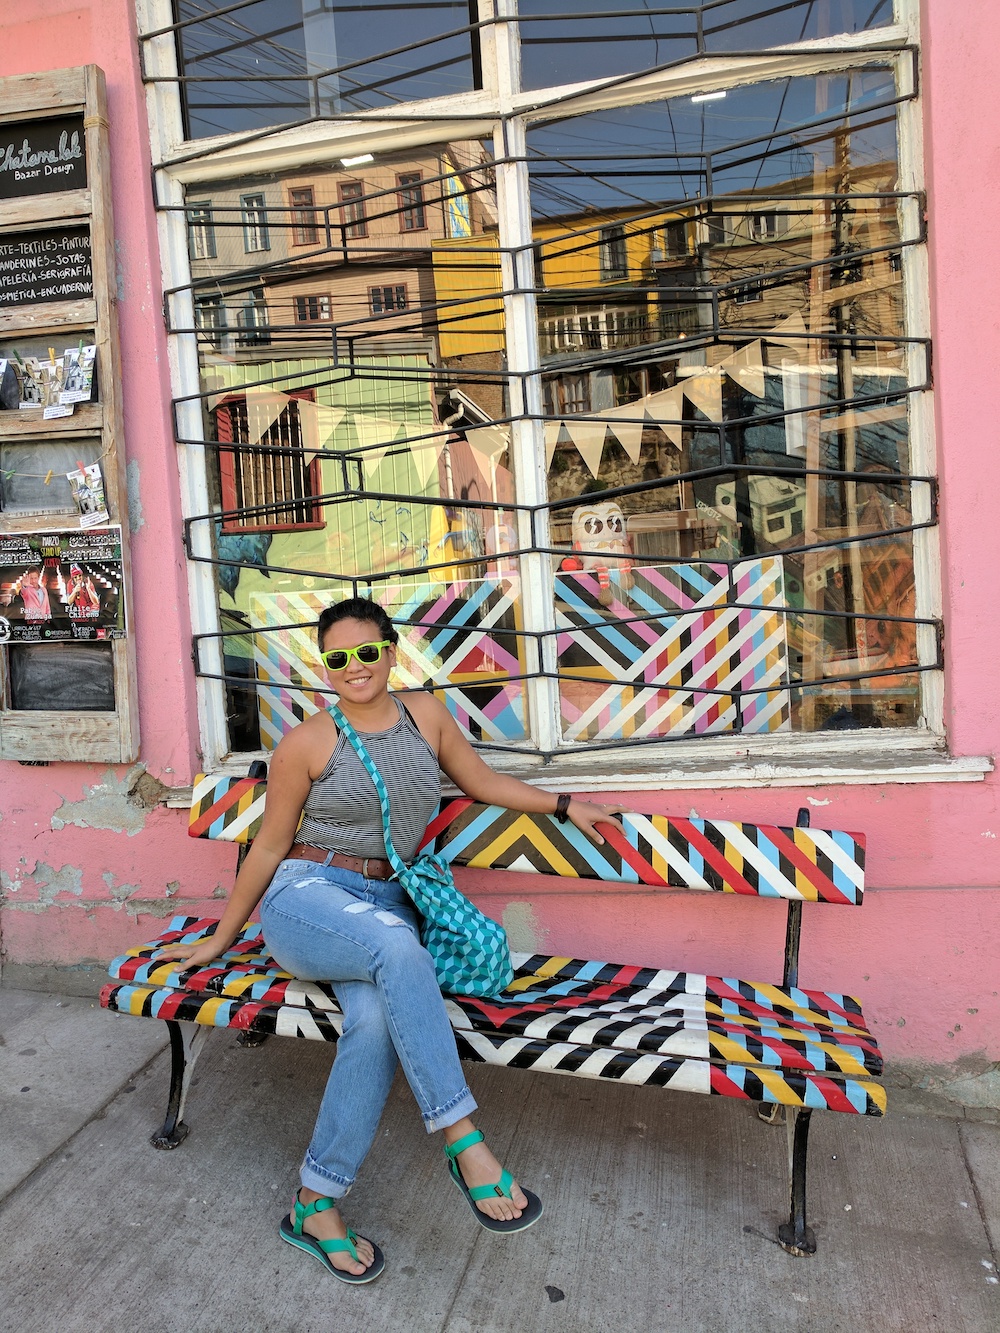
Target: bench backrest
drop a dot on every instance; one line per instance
(798, 864)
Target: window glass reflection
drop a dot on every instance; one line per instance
(566, 42)
(357, 430)
(269, 62)
(725, 384)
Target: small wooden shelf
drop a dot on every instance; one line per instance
(54, 317)
(87, 419)
(46, 210)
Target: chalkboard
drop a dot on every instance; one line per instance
(62, 677)
(45, 266)
(42, 156)
(24, 466)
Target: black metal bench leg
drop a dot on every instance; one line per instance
(795, 1235)
(183, 1054)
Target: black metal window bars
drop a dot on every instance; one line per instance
(343, 343)
(262, 51)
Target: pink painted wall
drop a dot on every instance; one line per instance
(89, 918)
(924, 950)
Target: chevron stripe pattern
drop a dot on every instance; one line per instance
(226, 809)
(658, 669)
(290, 679)
(714, 1035)
(798, 864)
(804, 864)
(466, 641)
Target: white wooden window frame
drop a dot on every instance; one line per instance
(256, 234)
(501, 110)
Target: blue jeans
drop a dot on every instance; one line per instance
(323, 923)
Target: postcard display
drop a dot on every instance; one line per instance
(67, 662)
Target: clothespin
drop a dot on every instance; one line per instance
(48, 477)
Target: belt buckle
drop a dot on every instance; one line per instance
(364, 866)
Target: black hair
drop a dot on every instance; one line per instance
(357, 608)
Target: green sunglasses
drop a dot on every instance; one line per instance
(366, 653)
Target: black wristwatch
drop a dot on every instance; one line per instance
(562, 806)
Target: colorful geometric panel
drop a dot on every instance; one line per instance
(467, 642)
(290, 677)
(713, 1035)
(786, 1087)
(226, 809)
(802, 864)
(468, 639)
(622, 675)
(762, 860)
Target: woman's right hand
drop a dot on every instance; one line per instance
(194, 955)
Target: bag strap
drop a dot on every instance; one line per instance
(358, 745)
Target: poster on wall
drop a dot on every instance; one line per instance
(42, 156)
(61, 585)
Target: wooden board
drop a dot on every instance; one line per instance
(82, 734)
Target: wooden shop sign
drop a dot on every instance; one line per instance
(45, 266)
(42, 156)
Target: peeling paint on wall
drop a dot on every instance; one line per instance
(48, 881)
(117, 804)
(135, 515)
(119, 892)
(525, 932)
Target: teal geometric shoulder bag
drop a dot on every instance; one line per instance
(469, 950)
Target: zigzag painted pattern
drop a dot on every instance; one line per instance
(802, 864)
(599, 1020)
(225, 808)
(640, 677)
(466, 641)
(657, 671)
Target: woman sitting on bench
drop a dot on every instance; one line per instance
(343, 919)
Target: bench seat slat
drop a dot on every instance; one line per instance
(768, 1040)
(659, 1032)
(753, 1082)
(246, 967)
(713, 1075)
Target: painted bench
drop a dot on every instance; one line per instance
(787, 1049)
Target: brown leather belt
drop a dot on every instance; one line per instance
(372, 867)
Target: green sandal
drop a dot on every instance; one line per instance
(502, 1189)
(322, 1249)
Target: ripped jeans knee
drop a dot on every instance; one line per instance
(362, 936)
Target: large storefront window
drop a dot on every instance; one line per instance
(612, 408)
(733, 394)
(350, 389)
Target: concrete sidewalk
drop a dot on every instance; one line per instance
(660, 1209)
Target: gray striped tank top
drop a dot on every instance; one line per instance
(342, 812)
